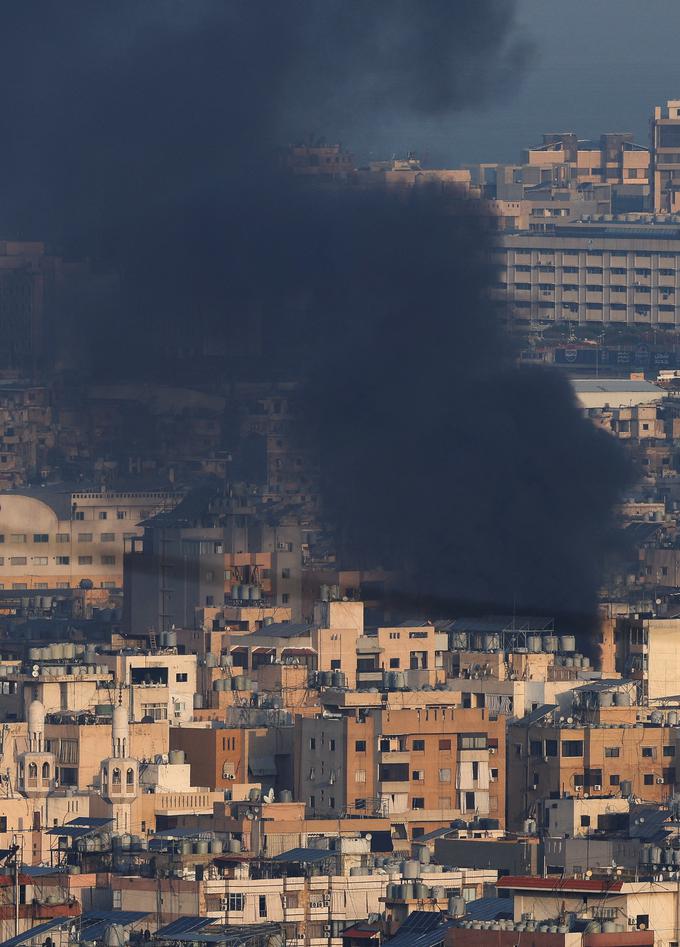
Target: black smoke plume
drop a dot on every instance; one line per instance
(143, 133)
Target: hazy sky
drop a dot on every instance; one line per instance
(599, 65)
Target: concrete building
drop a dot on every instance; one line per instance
(613, 756)
(648, 651)
(58, 537)
(421, 765)
(665, 134)
(592, 273)
(631, 394)
(210, 551)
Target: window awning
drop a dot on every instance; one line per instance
(298, 652)
(262, 766)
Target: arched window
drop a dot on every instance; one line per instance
(45, 771)
(105, 775)
(130, 777)
(32, 771)
(115, 777)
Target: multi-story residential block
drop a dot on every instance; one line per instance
(60, 537)
(665, 133)
(592, 272)
(421, 763)
(605, 752)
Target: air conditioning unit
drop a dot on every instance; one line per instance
(659, 780)
(492, 749)
(527, 916)
(597, 787)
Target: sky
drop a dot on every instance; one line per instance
(596, 66)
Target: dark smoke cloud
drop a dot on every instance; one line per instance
(143, 132)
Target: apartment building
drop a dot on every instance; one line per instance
(613, 757)
(207, 552)
(614, 159)
(648, 651)
(599, 272)
(419, 764)
(665, 170)
(28, 433)
(59, 537)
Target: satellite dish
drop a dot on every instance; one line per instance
(36, 667)
(35, 673)
(250, 814)
(269, 797)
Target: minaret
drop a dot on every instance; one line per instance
(36, 766)
(120, 773)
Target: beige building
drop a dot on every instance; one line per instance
(619, 272)
(56, 538)
(665, 130)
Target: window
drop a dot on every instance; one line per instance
(285, 573)
(614, 779)
(181, 677)
(418, 745)
(359, 775)
(336, 664)
(39, 560)
(155, 711)
(63, 560)
(360, 746)
(585, 821)
(108, 537)
(648, 752)
(572, 747)
(418, 802)
(17, 560)
(285, 598)
(472, 741)
(41, 537)
(103, 515)
(17, 537)
(121, 514)
(63, 537)
(394, 662)
(669, 751)
(312, 743)
(418, 775)
(79, 515)
(331, 745)
(108, 560)
(445, 775)
(84, 560)
(611, 751)
(262, 905)
(236, 901)
(648, 779)
(444, 744)
(84, 537)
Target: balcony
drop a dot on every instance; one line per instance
(395, 756)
